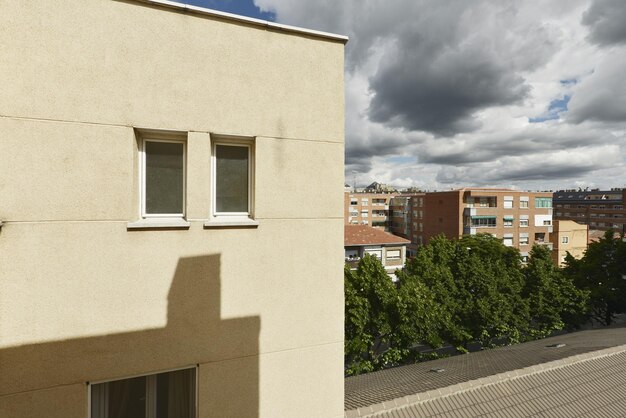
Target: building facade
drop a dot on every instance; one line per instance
(370, 209)
(407, 218)
(568, 237)
(151, 162)
(600, 209)
(520, 219)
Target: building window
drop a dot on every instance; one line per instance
(162, 178)
(393, 254)
(564, 240)
(523, 223)
(354, 202)
(508, 222)
(523, 240)
(543, 202)
(483, 221)
(232, 178)
(508, 203)
(507, 241)
(523, 204)
(171, 394)
(378, 253)
(547, 223)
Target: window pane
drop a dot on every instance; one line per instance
(231, 178)
(176, 394)
(164, 177)
(122, 399)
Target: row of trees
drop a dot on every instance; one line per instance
(475, 290)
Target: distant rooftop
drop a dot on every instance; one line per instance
(588, 195)
(187, 8)
(582, 371)
(355, 235)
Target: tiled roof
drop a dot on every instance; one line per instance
(531, 379)
(366, 235)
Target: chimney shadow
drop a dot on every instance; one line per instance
(224, 351)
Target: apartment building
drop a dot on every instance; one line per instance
(407, 213)
(370, 209)
(520, 219)
(388, 248)
(151, 162)
(568, 237)
(600, 209)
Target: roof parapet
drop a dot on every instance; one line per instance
(244, 19)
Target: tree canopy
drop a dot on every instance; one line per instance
(458, 292)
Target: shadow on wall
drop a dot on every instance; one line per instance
(225, 350)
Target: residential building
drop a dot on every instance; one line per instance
(388, 248)
(600, 209)
(568, 237)
(520, 219)
(407, 212)
(152, 156)
(367, 209)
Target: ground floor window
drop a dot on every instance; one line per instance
(162, 395)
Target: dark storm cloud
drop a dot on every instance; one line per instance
(607, 22)
(440, 93)
(456, 59)
(490, 148)
(529, 173)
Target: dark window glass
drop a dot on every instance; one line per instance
(232, 165)
(166, 395)
(164, 177)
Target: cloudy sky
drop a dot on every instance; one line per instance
(451, 93)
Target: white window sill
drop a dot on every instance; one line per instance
(234, 222)
(159, 223)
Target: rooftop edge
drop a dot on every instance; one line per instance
(249, 20)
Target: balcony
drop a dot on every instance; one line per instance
(546, 243)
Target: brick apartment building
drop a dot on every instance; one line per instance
(520, 219)
(600, 209)
(370, 209)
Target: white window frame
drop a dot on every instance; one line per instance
(565, 240)
(150, 382)
(237, 142)
(142, 171)
(392, 251)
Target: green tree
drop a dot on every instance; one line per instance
(602, 271)
(477, 283)
(384, 321)
(554, 300)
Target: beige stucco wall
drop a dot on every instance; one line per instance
(577, 235)
(82, 298)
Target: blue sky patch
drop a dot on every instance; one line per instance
(239, 7)
(556, 107)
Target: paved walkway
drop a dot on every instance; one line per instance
(361, 392)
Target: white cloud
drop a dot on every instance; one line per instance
(439, 94)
